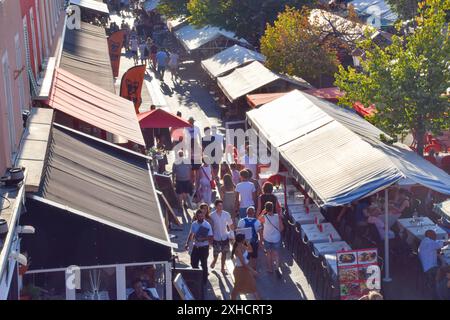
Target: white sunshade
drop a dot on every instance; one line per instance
(251, 77)
(229, 59)
(337, 154)
(375, 8)
(193, 38)
(92, 5)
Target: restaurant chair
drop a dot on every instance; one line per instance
(326, 284)
(298, 246)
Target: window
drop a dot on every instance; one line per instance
(38, 22)
(44, 286)
(97, 284)
(33, 40)
(44, 27)
(9, 104)
(19, 66)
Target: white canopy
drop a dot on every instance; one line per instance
(337, 155)
(193, 38)
(251, 77)
(373, 8)
(92, 5)
(229, 59)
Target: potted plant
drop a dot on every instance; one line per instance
(30, 292)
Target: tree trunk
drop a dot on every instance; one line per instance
(420, 137)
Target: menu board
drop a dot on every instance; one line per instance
(352, 272)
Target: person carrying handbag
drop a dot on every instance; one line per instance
(272, 229)
(205, 182)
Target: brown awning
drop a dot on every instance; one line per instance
(85, 54)
(96, 106)
(99, 181)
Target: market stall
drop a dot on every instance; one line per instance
(338, 157)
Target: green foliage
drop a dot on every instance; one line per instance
(407, 80)
(247, 18)
(173, 8)
(294, 46)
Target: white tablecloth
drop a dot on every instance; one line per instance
(331, 261)
(409, 222)
(330, 247)
(311, 231)
(307, 218)
(419, 232)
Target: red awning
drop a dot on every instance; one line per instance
(364, 111)
(94, 105)
(331, 94)
(256, 100)
(159, 118)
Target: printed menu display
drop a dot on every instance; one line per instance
(352, 272)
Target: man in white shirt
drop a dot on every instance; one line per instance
(428, 253)
(247, 194)
(222, 227)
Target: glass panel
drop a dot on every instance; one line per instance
(97, 284)
(151, 278)
(44, 286)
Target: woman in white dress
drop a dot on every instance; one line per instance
(204, 182)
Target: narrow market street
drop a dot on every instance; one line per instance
(191, 98)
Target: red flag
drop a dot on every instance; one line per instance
(115, 43)
(131, 85)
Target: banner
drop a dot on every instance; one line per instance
(115, 43)
(358, 273)
(131, 85)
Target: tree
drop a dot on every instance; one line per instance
(247, 18)
(406, 9)
(173, 8)
(306, 43)
(407, 80)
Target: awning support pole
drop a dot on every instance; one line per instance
(387, 277)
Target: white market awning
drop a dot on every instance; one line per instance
(246, 79)
(92, 5)
(230, 59)
(337, 155)
(193, 38)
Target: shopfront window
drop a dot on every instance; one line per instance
(151, 277)
(44, 286)
(97, 284)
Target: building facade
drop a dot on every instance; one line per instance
(29, 33)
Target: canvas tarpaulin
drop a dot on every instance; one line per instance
(106, 183)
(337, 155)
(95, 5)
(251, 77)
(193, 38)
(374, 9)
(85, 54)
(229, 59)
(96, 106)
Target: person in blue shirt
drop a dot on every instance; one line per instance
(162, 58)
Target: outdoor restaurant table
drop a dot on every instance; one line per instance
(419, 232)
(300, 216)
(409, 222)
(331, 262)
(330, 247)
(312, 232)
